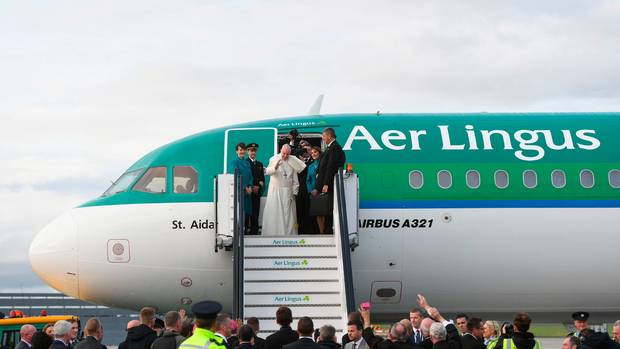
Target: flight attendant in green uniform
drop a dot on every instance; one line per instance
(243, 166)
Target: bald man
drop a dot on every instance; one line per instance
(26, 333)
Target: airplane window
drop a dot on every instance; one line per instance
(122, 183)
(614, 178)
(558, 179)
(473, 179)
(530, 180)
(416, 179)
(501, 179)
(444, 179)
(185, 179)
(152, 181)
(586, 177)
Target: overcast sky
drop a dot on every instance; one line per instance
(87, 87)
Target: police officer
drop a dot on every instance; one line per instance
(258, 174)
(580, 320)
(205, 313)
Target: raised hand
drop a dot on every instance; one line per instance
(422, 302)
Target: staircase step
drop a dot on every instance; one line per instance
(292, 298)
(292, 275)
(287, 286)
(287, 241)
(286, 263)
(311, 310)
(290, 251)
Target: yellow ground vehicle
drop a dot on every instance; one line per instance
(9, 328)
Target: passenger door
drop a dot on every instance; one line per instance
(265, 137)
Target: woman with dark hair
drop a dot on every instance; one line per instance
(41, 340)
(313, 168)
(49, 330)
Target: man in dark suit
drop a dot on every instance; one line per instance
(258, 175)
(397, 338)
(259, 343)
(170, 337)
(142, 335)
(425, 327)
(332, 159)
(452, 337)
(93, 334)
(246, 334)
(26, 332)
(438, 336)
(62, 335)
(222, 328)
(472, 338)
(285, 335)
(354, 332)
(327, 337)
(305, 328)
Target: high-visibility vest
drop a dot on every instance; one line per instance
(492, 343)
(203, 339)
(509, 344)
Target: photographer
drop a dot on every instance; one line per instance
(516, 336)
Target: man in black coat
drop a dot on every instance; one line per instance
(245, 334)
(305, 328)
(259, 343)
(62, 335)
(521, 338)
(170, 337)
(397, 338)
(439, 336)
(26, 332)
(332, 159)
(141, 336)
(452, 338)
(327, 337)
(284, 336)
(258, 174)
(93, 334)
(472, 338)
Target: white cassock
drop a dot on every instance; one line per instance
(279, 214)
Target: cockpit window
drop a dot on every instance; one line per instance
(122, 183)
(185, 179)
(152, 181)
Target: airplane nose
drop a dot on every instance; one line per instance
(54, 255)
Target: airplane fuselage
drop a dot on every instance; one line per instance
(481, 213)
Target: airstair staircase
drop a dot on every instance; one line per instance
(310, 274)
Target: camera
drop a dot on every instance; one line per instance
(508, 329)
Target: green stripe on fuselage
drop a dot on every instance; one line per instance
(590, 142)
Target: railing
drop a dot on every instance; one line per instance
(341, 218)
(239, 231)
(216, 194)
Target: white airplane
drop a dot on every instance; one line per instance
(483, 213)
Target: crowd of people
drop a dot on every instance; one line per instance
(426, 328)
(298, 174)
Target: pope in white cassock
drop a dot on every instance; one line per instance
(279, 215)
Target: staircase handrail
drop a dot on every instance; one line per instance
(344, 240)
(239, 231)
